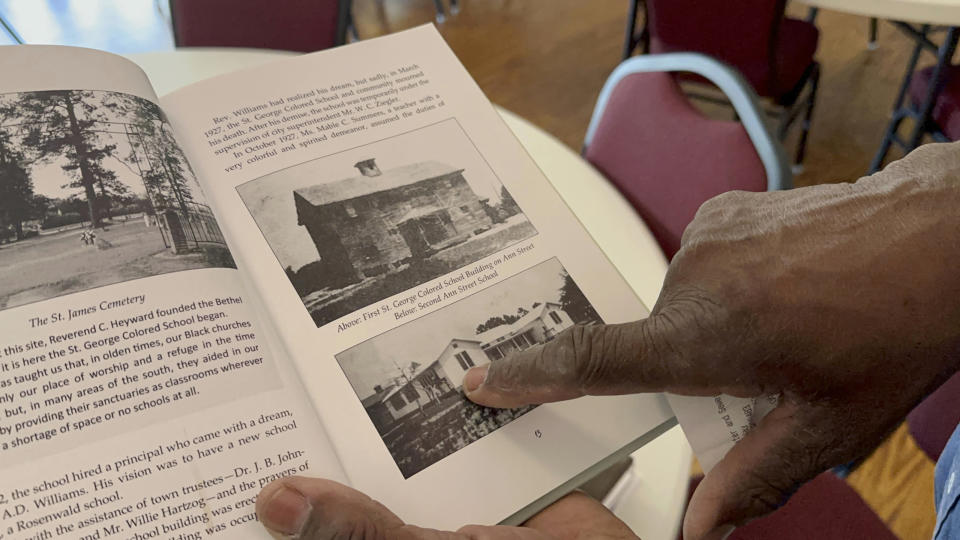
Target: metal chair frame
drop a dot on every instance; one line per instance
(921, 116)
(787, 112)
(737, 90)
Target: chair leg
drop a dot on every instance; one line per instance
(808, 117)
(441, 14)
(887, 141)
(629, 39)
(783, 124)
(872, 44)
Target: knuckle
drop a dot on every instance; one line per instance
(589, 368)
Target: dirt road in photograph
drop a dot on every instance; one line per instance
(52, 265)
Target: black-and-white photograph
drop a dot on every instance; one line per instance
(410, 379)
(93, 191)
(353, 228)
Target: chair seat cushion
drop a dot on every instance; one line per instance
(946, 111)
(666, 157)
(932, 421)
(825, 508)
(796, 45)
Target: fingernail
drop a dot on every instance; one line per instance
(474, 378)
(286, 510)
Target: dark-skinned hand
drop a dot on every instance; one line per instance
(843, 299)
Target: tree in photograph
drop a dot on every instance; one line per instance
(500, 320)
(110, 188)
(164, 168)
(575, 303)
(16, 187)
(508, 206)
(64, 124)
(406, 378)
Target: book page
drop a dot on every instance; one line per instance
(140, 394)
(713, 425)
(399, 234)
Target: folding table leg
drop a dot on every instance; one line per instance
(630, 40)
(872, 44)
(9, 30)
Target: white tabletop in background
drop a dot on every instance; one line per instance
(936, 12)
(607, 216)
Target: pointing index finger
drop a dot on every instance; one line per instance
(640, 356)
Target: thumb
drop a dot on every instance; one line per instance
(759, 473)
(648, 355)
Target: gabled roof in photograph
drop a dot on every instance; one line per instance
(377, 397)
(360, 185)
(505, 331)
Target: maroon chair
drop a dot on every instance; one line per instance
(945, 112)
(825, 508)
(774, 53)
(290, 25)
(665, 156)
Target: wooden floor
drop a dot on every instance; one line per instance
(546, 60)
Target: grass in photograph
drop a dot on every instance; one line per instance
(426, 436)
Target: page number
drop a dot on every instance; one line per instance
(538, 433)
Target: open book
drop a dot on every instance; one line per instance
(280, 271)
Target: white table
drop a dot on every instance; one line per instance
(939, 12)
(652, 500)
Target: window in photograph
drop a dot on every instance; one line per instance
(556, 318)
(411, 393)
(464, 360)
(397, 401)
(523, 341)
(494, 353)
(369, 250)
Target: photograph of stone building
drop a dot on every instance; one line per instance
(359, 226)
(409, 380)
(369, 223)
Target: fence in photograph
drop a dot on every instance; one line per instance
(189, 227)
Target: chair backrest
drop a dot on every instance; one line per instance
(665, 156)
(290, 25)
(743, 33)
